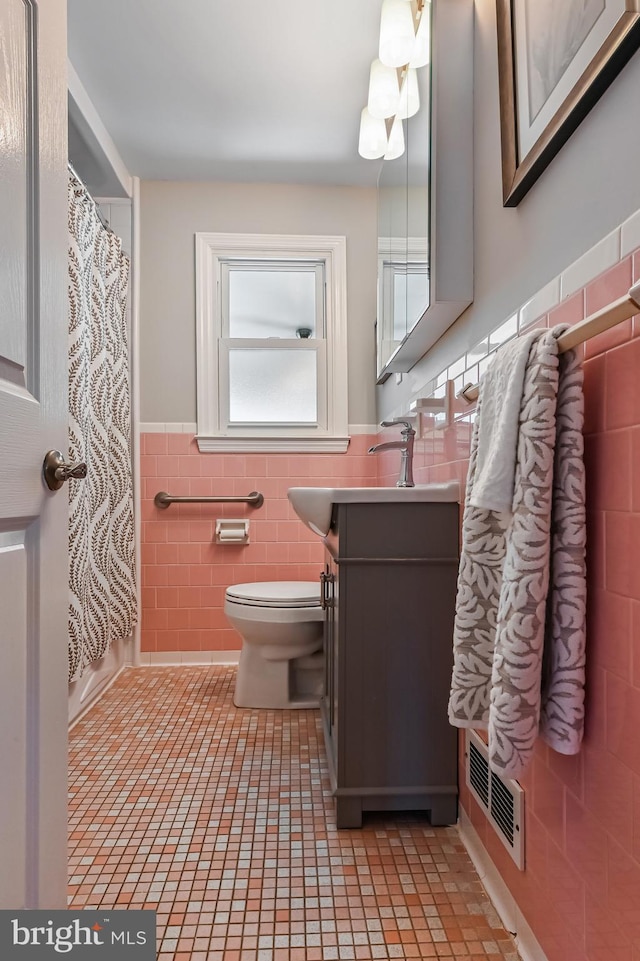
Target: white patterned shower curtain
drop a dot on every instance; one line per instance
(102, 606)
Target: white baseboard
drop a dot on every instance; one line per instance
(503, 901)
(175, 658)
(98, 678)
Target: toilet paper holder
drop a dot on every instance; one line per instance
(230, 530)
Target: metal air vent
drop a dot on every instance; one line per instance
(502, 799)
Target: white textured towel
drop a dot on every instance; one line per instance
(501, 392)
(519, 631)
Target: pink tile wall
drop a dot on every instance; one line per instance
(184, 573)
(580, 891)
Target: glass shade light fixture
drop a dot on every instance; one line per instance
(395, 147)
(397, 33)
(393, 83)
(422, 49)
(409, 100)
(384, 92)
(373, 136)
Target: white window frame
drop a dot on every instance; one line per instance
(214, 433)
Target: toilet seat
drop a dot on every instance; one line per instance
(276, 594)
(281, 626)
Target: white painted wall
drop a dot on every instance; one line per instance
(589, 188)
(171, 213)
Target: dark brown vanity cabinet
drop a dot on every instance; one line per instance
(388, 590)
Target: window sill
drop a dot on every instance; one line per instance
(272, 445)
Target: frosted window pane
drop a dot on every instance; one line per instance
(273, 386)
(272, 303)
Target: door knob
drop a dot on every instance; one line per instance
(56, 471)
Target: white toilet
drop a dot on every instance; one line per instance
(280, 622)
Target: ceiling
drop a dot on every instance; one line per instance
(230, 90)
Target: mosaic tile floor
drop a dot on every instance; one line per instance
(222, 821)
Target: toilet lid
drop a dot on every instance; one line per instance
(276, 594)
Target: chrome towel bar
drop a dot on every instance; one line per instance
(163, 500)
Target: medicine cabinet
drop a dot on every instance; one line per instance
(425, 203)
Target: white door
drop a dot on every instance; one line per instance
(33, 418)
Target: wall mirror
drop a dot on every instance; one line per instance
(425, 202)
(403, 233)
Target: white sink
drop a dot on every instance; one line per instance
(314, 505)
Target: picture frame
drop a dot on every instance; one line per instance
(555, 60)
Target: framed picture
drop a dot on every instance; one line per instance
(555, 59)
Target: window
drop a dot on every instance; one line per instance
(271, 340)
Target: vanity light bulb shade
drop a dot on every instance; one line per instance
(395, 147)
(397, 36)
(409, 96)
(373, 136)
(422, 50)
(384, 93)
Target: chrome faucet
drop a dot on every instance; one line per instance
(405, 446)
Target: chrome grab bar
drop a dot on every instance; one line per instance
(163, 500)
